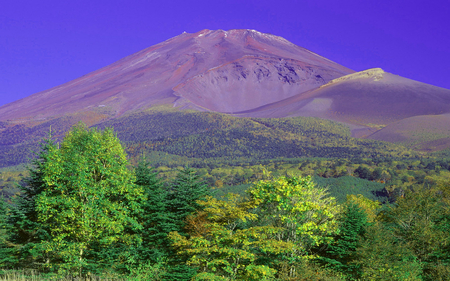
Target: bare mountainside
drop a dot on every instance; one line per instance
(225, 71)
(368, 101)
(245, 73)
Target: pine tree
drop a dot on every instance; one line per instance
(184, 192)
(27, 232)
(7, 249)
(155, 220)
(340, 254)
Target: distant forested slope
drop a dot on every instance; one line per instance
(208, 135)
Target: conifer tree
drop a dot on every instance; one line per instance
(341, 252)
(184, 192)
(154, 218)
(27, 231)
(7, 258)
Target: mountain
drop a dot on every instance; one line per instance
(375, 104)
(191, 82)
(225, 71)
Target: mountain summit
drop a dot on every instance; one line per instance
(248, 74)
(225, 71)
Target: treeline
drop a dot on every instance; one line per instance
(368, 176)
(83, 212)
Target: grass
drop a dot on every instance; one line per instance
(31, 275)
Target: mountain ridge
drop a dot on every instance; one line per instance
(244, 73)
(147, 78)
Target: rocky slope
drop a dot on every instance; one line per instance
(248, 74)
(367, 101)
(225, 71)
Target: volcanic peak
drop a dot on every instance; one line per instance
(209, 67)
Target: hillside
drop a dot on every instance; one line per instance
(204, 135)
(179, 70)
(155, 99)
(207, 135)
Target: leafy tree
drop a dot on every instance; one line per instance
(304, 213)
(220, 249)
(369, 207)
(86, 196)
(363, 172)
(382, 256)
(294, 203)
(421, 219)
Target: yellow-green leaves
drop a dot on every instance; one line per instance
(222, 248)
(293, 203)
(88, 196)
(230, 211)
(281, 221)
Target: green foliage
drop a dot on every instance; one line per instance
(7, 258)
(154, 218)
(206, 135)
(382, 256)
(184, 192)
(82, 194)
(421, 220)
(220, 249)
(340, 254)
(306, 270)
(182, 200)
(305, 212)
(154, 271)
(27, 231)
(82, 210)
(342, 186)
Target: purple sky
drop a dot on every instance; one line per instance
(48, 42)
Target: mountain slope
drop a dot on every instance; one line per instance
(367, 101)
(243, 73)
(165, 74)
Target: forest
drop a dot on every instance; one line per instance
(181, 136)
(85, 210)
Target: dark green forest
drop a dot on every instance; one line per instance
(90, 205)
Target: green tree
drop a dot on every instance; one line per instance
(421, 219)
(383, 256)
(184, 192)
(182, 201)
(155, 219)
(224, 251)
(341, 252)
(304, 212)
(88, 197)
(7, 249)
(27, 231)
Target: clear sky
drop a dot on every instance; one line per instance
(48, 42)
